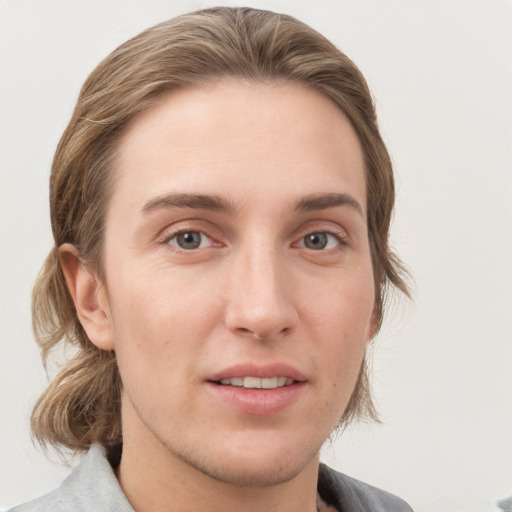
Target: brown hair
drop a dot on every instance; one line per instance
(81, 406)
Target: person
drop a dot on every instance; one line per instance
(220, 203)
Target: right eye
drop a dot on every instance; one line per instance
(190, 240)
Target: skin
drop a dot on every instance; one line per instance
(252, 292)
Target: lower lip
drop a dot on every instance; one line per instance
(258, 401)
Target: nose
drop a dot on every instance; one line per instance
(260, 301)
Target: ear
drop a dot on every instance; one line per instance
(89, 296)
(373, 327)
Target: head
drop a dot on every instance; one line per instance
(195, 52)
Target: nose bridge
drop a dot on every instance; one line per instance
(259, 302)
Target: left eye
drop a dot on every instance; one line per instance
(190, 240)
(319, 240)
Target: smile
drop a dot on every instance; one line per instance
(258, 389)
(257, 382)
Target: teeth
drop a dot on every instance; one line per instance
(257, 383)
(253, 382)
(269, 383)
(237, 381)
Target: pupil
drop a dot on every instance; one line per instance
(316, 241)
(189, 240)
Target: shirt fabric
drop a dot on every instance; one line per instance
(93, 487)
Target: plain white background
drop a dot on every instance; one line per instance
(441, 73)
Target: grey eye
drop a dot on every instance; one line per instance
(315, 241)
(189, 240)
(319, 240)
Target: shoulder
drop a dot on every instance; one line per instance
(351, 495)
(49, 502)
(91, 486)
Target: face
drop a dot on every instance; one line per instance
(238, 277)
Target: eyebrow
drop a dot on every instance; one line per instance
(193, 201)
(323, 201)
(311, 202)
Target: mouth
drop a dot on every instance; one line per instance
(258, 390)
(250, 376)
(257, 382)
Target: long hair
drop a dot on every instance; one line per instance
(81, 406)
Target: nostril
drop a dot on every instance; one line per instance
(262, 336)
(245, 330)
(252, 334)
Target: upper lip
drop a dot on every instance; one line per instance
(261, 371)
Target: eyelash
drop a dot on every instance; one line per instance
(341, 239)
(167, 240)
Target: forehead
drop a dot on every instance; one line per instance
(240, 137)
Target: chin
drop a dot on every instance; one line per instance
(259, 465)
(252, 473)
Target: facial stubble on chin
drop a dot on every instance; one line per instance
(284, 471)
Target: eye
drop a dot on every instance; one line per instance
(320, 240)
(190, 240)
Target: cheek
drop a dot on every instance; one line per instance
(343, 306)
(158, 322)
(340, 320)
